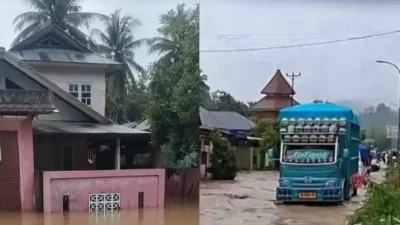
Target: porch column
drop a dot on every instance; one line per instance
(118, 154)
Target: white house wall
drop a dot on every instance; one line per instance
(63, 76)
(67, 111)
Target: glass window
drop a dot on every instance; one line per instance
(81, 92)
(308, 153)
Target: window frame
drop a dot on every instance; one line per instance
(80, 93)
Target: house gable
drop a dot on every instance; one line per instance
(50, 37)
(25, 77)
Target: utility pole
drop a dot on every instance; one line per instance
(292, 77)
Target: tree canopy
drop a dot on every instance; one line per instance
(66, 14)
(173, 110)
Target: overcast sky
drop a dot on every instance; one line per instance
(335, 72)
(148, 11)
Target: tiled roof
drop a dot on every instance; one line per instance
(273, 103)
(23, 102)
(278, 85)
(60, 127)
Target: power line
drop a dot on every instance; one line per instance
(306, 44)
(254, 36)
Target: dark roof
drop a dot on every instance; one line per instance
(54, 32)
(65, 48)
(62, 56)
(273, 103)
(215, 120)
(60, 127)
(278, 85)
(224, 120)
(43, 81)
(26, 102)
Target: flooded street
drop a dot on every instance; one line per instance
(174, 213)
(249, 200)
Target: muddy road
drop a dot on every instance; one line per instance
(249, 201)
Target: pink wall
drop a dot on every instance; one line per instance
(25, 149)
(79, 184)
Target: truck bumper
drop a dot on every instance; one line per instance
(292, 194)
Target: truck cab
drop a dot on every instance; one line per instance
(318, 153)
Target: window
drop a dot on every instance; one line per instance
(83, 92)
(308, 154)
(86, 94)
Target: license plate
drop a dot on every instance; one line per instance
(307, 195)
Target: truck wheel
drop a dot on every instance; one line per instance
(348, 191)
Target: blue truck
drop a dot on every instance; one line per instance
(318, 153)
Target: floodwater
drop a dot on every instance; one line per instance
(175, 212)
(249, 200)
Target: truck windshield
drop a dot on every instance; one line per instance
(308, 154)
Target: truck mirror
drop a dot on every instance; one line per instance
(270, 153)
(346, 153)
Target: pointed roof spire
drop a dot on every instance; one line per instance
(278, 85)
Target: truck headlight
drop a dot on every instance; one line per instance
(283, 182)
(332, 183)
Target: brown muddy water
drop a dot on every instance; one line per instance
(249, 200)
(175, 212)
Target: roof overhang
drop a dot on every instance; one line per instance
(73, 64)
(26, 102)
(95, 129)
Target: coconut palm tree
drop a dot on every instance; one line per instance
(169, 49)
(117, 42)
(169, 45)
(205, 98)
(203, 85)
(66, 14)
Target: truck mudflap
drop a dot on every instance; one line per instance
(290, 194)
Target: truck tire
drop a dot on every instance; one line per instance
(348, 191)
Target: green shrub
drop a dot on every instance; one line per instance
(223, 158)
(381, 206)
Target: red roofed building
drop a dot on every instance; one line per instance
(277, 95)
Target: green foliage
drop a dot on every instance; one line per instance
(223, 101)
(268, 132)
(223, 158)
(117, 42)
(381, 206)
(173, 107)
(66, 14)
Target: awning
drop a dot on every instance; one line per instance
(59, 127)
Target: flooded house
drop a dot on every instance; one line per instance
(58, 152)
(233, 126)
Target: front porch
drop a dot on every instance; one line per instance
(80, 166)
(55, 166)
